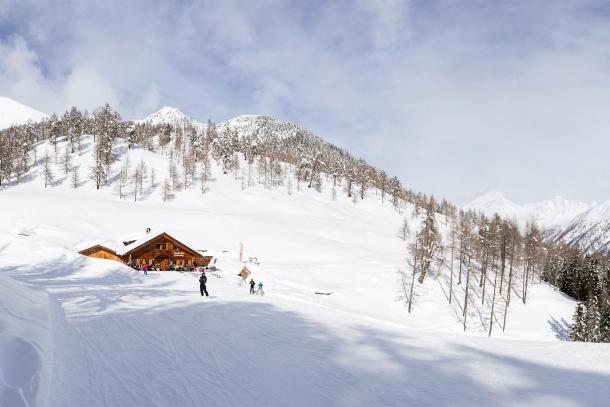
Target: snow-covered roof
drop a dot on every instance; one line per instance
(133, 240)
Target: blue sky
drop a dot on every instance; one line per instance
(454, 97)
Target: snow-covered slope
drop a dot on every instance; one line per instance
(14, 113)
(265, 126)
(589, 230)
(123, 339)
(554, 213)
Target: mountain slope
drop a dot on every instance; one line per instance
(123, 339)
(14, 113)
(589, 230)
(264, 127)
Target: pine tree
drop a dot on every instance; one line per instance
(578, 331)
(593, 321)
(604, 330)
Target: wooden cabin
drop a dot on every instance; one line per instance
(161, 249)
(100, 252)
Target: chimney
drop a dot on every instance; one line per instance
(147, 230)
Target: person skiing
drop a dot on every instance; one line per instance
(202, 281)
(145, 269)
(252, 284)
(260, 289)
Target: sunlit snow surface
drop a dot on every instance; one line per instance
(14, 113)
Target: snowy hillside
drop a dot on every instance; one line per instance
(13, 112)
(264, 126)
(589, 230)
(83, 331)
(256, 127)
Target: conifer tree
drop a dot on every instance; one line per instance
(578, 331)
(593, 321)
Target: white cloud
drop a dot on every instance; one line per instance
(21, 78)
(452, 96)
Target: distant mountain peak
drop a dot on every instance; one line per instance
(548, 214)
(15, 113)
(493, 202)
(167, 115)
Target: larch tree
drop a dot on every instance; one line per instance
(47, 171)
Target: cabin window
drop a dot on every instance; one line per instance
(161, 246)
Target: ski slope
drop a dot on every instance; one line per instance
(82, 331)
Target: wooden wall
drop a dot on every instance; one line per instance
(101, 253)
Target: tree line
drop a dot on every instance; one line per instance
(268, 149)
(490, 261)
(586, 278)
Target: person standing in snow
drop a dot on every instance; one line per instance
(202, 281)
(260, 289)
(252, 284)
(145, 269)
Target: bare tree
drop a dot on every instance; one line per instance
(75, 177)
(404, 230)
(453, 233)
(167, 190)
(465, 314)
(66, 161)
(47, 172)
(414, 251)
(513, 235)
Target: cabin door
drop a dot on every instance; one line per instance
(163, 262)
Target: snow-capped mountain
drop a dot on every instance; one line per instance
(555, 212)
(576, 223)
(14, 113)
(494, 202)
(263, 127)
(257, 127)
(548, 214)
(590, 230)
(168, 115)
